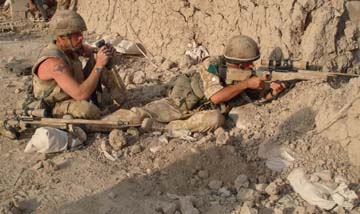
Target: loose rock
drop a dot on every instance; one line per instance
(245, 194)
(215, 184)
(135, 149)
(187, 205)
(222, 137)
(248, 210)
(261, 187)
(241, 181)
(203, 174)
(117, 139)
(139, 77)
(155, 149)
(272, 189)
(224, 192)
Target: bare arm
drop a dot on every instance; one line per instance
(231, 91)
(54, 68)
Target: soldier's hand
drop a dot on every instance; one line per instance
(102, 57)
(277, 87)
(256, 83)
(110, 50)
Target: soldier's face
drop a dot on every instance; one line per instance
(247, 65)
(77, 40)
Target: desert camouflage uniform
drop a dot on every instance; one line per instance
(168, 110)
(62, 103)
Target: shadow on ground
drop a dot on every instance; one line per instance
(144, 194)
(147, 193)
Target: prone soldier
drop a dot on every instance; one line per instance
(198, 101)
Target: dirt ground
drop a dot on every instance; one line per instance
(160, 173)
(155, 172)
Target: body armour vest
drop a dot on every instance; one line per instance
(188, 90)
(48, 90)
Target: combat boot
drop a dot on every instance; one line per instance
(149, 125)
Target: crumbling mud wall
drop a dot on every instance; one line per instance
(319, 31)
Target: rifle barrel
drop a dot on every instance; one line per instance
(88, 122)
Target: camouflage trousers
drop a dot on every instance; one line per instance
(77, 109)
(164, 111)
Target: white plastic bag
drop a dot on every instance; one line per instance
(51, 140)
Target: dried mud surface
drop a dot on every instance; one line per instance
(321, 32)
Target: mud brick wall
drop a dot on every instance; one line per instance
(324, 32)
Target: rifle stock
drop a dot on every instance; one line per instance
(18, 122)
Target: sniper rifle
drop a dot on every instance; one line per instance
(286, 70)
(19, 120)
(279, 69)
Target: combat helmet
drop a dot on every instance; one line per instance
(65, 22)
(241, 49)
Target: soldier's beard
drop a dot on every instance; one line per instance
(75, 47)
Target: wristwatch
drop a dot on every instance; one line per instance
(98, 70)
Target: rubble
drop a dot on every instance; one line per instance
(322, 195)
